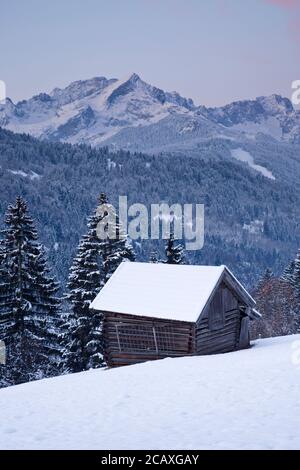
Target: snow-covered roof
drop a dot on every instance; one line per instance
(171, 292)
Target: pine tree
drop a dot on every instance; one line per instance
(6, 320)
(265, 278)
(85, 348)
(29, 308)
(276, 302)
(153, 258)
(288, 273)
(296, 276)
(5, 323)
(114, 245)
(174, 253)
(296, 286)
(96, 260)
(47, 307)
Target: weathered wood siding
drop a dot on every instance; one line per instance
(222, 327)
(218, 329)
(244, 339)
(130, 339)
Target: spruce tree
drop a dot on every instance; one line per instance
(174, 253)
(29, 308)
(296, 286)
(153, 258)
(114, 245)
(265, 278)
(288, 273)
(84, 348)
(296, 276)
(5, 323)
(6, 320)
(275, 301)
(96, 260)
(47, 308)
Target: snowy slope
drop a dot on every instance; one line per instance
(247, 399)
(246, 157)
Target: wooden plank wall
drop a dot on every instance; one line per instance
(130, 339)
(226, 337)
(180, 343)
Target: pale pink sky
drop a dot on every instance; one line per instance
(213, 51)
(284, 3)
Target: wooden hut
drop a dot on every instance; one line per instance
(153, 311)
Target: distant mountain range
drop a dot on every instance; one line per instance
(241, 160)
(132, 114)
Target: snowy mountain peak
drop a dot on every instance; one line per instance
(120, 112)
(275, 104)
(273, 116)
(134, 77)
(80, 89)
(125, 86)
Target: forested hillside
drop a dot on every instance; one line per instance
(251, 222)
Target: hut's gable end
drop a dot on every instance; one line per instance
(218, 328)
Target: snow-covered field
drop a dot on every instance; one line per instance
(246, 399)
